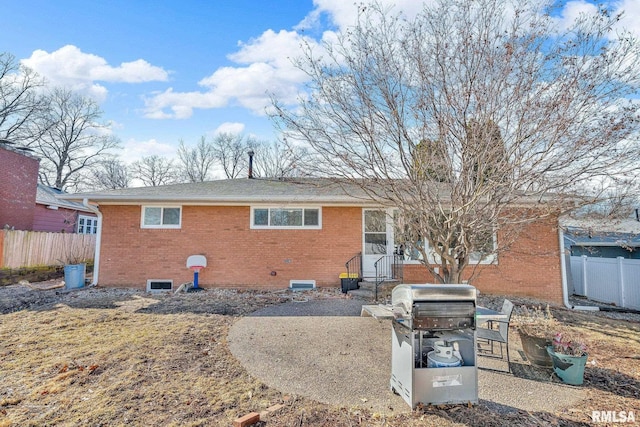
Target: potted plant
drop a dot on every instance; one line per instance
(537, 328)
(569, 356)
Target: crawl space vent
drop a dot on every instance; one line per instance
(159, 285)
(302, 285)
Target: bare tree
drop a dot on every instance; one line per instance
(472, 119)
(154, 170)
(20, 101)
(230, 151)
(196, 163)
(73, 142)
(277, 159)
(111, 174)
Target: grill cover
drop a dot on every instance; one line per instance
(435, 307)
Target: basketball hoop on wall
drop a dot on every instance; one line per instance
(196, 263)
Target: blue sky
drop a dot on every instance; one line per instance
(169, 70)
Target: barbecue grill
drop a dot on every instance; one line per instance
(433, 350)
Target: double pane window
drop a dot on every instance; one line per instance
(286, 218)
(161, 217)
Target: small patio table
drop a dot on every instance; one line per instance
(484, 314)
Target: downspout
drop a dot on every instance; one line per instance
(563, 272)
(96, 256)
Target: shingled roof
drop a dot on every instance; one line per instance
(235, 191)
(48, 196)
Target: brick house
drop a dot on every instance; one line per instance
(27, 205)
(55, 215)
(19, 171)
(266, 233)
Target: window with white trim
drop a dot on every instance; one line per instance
(161, 217)
(485, 248)
(87, 224)
(286, 218)
(484, 255)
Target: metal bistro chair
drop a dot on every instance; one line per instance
(498, 331)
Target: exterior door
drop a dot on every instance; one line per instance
(377, 239)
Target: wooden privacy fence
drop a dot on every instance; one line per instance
(34, 248)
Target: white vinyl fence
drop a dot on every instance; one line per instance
(610, 280)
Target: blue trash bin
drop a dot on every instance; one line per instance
(74, 276)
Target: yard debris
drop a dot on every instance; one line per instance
(56, 347)
(247, 420)
(43, 286)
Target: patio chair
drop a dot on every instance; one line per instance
(497, 331)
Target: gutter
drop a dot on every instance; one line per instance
(563, 272)
(96, 256)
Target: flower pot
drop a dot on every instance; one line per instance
(535, 348)
(570, 369)
(74, 276)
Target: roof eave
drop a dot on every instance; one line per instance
(100, 199)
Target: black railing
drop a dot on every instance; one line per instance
(354, 266)
(388, 267)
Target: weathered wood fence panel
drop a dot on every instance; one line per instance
(34, 248)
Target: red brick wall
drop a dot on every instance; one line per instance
(236, 254)
(531, 267)
(18, 182)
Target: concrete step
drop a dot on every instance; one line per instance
(367, 290)
(361, 293)
(371, 284)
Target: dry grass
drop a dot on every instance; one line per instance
(134, 359)
(71, 366)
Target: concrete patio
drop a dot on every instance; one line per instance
(324, 350)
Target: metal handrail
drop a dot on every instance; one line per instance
(388, 267)
(354, 265)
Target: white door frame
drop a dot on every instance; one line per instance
(368, 258)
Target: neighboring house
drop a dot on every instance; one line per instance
(18, 179)
(266, 233)
(27, 205)
(57, 215)
(603, 239)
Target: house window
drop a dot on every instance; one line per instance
(87, 224)
(484, 255)
(412, 254)
(286, 218)
(485, 246)
(161, 217)
(156, 285)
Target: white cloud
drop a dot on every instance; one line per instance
(230, 127)
(268, 70)
(572, 10)
(134, 150)
(344, 14)
(264, 66)
(631, 16)
(80, 71)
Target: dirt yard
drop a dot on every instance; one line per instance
(105, 357)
